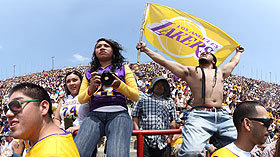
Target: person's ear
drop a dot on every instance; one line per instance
(213, 62)
(246, 124)
(44, 107)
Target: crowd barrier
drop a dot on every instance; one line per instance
(141, 133)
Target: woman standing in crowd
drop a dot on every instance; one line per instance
(107, 93)
(70, 113)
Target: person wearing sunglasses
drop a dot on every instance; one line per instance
(30, 118)
(253, 125)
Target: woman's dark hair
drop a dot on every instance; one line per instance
(117, 59)
(69, 73)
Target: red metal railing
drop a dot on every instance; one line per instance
(141, 133)
(140, 136)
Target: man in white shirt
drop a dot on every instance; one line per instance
(253, 124)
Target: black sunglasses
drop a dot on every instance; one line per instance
(16, 105)
(266, 121)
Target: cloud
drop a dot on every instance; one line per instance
(78, 57)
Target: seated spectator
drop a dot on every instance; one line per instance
(2, 140)
(70, 112)
(179, 102)
(273, 149)
(29, 115)
(10, 143)
(5, 128)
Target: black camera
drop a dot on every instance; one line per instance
(107, 78)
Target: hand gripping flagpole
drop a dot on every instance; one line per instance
(142, 31)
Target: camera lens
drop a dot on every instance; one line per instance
(107, 78)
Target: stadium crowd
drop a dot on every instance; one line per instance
(236, 89)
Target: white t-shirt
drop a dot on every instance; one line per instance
(7, 148)
(72, 107)
(231, 150)
(269, 149)
(234, 149)
(180, 102)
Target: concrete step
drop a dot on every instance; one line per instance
(133, 148)
(100, 152)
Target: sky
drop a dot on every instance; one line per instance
(37, 35)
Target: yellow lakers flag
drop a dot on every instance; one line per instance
(183, 36)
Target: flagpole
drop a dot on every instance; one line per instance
(142, 30)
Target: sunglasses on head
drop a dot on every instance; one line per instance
(266, 121)
(16, 105)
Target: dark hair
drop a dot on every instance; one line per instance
(189, 101)
(215, 60)
(117, 59)
(277, 148)
(69, 73)
(34, 91)
(246, 109)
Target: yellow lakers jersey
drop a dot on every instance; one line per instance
(231, 150)
(57, 145)
(223, 152)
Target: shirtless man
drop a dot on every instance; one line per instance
(207, 118)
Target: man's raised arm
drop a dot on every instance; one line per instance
(228, 68)
(176, 68)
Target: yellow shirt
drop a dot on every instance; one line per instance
(231, 150)
(57, 145)
(177, 141)
(223, 152)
